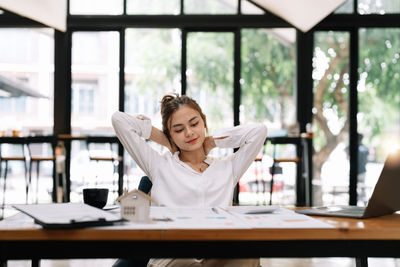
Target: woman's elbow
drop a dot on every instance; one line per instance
(116, 119)
(263, 130)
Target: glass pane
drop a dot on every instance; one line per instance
(26, 103)
(95, 76)
(346, 8)
(330, 123)
(96, 7)
(267, 96)
(379, 104)
(153, 67)
(95, 67)
(210, 76)
(26, 81)
(210, 7)
(153, 7)
(268, 77)
(378, 6)
(250, 8)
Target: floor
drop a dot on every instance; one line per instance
(275, 262)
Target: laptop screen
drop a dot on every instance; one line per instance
(386, 196)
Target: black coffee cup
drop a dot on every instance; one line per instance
(96, 197)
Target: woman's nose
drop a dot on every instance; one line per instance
(188, 131)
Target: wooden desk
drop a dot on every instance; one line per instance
(375, 237)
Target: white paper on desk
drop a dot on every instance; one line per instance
(198, 218)
(252, 209)
(187, 218)
(18, 221)
(63, 213)
(283, 219)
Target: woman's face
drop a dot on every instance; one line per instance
(187, 129)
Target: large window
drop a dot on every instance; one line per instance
(267, 95)
(379, 104)
(26, 81)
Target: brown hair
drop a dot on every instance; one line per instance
(171, 103)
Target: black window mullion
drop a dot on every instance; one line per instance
(304, 105)
(355, 9)
(304, 90)
(183, 61)
(181, 7)
(236, 92)
(62, 98)
(121, 103)
(122, 69)
(68, 10)
(236, 77)
(353, 110)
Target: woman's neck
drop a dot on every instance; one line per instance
(194, 157)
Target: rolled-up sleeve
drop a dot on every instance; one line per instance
(248, 138)
(132, 130)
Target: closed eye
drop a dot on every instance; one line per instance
(195, 124)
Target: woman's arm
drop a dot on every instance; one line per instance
(132, 130)
(159, 137)
(209, 144)
(248, 138)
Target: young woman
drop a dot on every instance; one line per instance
(185, 175)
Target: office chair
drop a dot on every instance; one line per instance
(35, 146)
(145, 186)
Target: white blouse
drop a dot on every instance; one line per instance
(176, 184)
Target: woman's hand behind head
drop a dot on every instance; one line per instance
(173, 148)
(208, 144)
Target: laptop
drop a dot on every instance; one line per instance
(384, 200)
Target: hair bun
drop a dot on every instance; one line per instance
(167, 98)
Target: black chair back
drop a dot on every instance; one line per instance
(145, 184)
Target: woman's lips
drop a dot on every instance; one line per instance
(192, 141)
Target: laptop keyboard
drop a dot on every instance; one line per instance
(350, 210)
